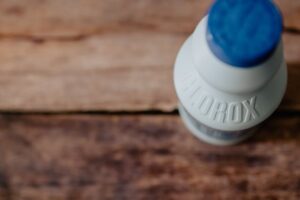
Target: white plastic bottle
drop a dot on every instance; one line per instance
(230, 74)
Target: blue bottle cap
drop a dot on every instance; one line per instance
(243, 33)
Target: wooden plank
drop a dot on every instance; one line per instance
(142, 157)
(121, 71)
(52, 18)
(72, 18)
(124, 71)
(90, 55)
(291, 13)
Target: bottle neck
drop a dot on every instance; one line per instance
(226, 77)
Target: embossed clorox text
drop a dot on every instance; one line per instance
(222, 111)
(228, 112)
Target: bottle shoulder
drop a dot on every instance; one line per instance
(221, 109)
(229, 78)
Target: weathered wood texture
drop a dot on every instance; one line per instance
(71, 18)
(117, 55)
(104, 55)
(129, 70)
(142, 157)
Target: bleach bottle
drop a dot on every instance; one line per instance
(230, 74)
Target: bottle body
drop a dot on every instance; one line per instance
(211, 135)
(221, 104)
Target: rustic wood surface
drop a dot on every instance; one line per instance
(88, 157)
(115, 58)
(73, 18)
(105, 55)
(129, 71)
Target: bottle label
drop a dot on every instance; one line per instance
(216, 109)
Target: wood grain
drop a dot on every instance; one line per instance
(78, 157)
(122, 71)
(104, 55)
(118, 55)
(73, 18)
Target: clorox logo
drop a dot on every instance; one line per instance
(225, 112)
(222, 111)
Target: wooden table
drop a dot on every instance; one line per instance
(88, 109)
